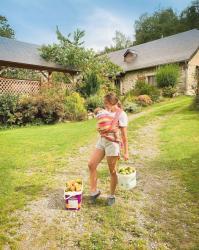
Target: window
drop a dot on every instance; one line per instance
(151, 80)
(117, 83)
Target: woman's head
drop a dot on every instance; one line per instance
(111, 101)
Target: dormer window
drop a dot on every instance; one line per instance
(129, 55)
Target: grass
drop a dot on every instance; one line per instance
(26, 175)
(30, 157)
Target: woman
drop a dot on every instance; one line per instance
(110, 149)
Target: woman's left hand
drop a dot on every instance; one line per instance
(126, 156)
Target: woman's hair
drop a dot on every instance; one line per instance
(112, 99)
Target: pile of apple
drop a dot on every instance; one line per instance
(126, 170)
(73, 185)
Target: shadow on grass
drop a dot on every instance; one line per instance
(187, 169)
(29, 189)
(56, 200)
(100, 201)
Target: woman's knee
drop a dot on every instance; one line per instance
(112, 172)
(92, 166)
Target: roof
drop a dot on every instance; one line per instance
(14, 53)
(175, 48)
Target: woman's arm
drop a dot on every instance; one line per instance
(125, 142)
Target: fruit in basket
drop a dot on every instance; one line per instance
(73, 185)
(126, 170)
(79, 181)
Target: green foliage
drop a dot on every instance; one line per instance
(49, 106)
(167, 75)
(143, 88)
(189, 17)
(166, 22)
(18, 73)
(120, 41)
(74, 107)
(168, 91)
(132, 107)
(8, 105)
(5, 29)
(93, 102)
(71, 53)
(90, 86)
(163, 22)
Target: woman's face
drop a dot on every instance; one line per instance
(109, 106)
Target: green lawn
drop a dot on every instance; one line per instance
(30, 158)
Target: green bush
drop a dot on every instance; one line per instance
(143, 88)
(74, 107)
(8, 105)
(168, 91)
(167, 75)
(49, 106)
(26, 110)
(89, 86)
(93, 102)
(132, 107)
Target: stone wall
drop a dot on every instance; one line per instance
(129, 80)
(191, 71)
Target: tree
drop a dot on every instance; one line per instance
(166, 22)
(5, 29)
(189, 18)
(71, 53)
(162, 23)
(120, 42)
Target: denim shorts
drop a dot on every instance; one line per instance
(110, 148)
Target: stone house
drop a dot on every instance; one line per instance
(141, 61)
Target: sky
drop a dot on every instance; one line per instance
(35, 21)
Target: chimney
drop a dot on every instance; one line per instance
(129, 55)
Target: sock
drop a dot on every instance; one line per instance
(94, 193)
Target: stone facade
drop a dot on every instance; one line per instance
(186, 84)
(191, 73)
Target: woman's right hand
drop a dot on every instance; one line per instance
(126, 156)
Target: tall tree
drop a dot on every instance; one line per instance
(120, 41)
(71, 52)
(5, 29)
(189, 18)
(150, 27)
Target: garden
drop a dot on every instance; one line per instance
(46, 139)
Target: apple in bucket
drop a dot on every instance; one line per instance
(126, 170)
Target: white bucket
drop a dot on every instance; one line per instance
(127, 181)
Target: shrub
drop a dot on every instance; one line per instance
(26, 110)
(168, 91)
(90, 85)
(167, 75)
(74, 107)
(132, 107)
(8, 105)
(143, 88)
(93, 102)
(50, 108)
(144, 100)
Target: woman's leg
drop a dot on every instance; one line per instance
(95, 159)
(112, 162)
